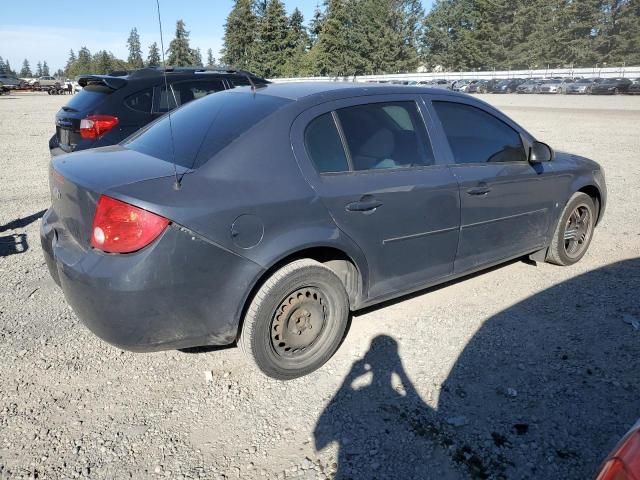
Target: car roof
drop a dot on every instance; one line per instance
(336, 90)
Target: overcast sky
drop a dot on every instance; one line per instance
(45, 30)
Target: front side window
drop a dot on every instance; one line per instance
(476, 136)
(184, 92)
(385, 135)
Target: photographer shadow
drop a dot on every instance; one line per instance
(544, 389)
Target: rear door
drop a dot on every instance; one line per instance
(371, 161)
(506, 202)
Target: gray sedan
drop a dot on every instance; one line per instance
(263, 216)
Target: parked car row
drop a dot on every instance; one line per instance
(555, 85)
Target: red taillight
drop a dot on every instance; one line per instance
(624, 462)
(94, 126)
(119, 227)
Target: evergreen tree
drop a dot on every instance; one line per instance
(102, 63)
(25, 72)
(2, 65)
(406, 21)
(297, 45)
(71, 60)
(39, 69)
(261, 8)
(273, 49)
(180, 54)
(315, 26)
(135, 49)
(239, 36)
(7, 68)
(627, 48)
(211, 61)
(45, 69)
(196, 55)
(331, 53)
(153, 59)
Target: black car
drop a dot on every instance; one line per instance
(264, 216)
(507, 86)
(634, 88)
(611, 86)
(111, 107)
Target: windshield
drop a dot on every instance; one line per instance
(202, 128)
(610, 81)
(584, 80)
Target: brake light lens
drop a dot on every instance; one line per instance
(119, 227)
(95, 126)
(624, 462)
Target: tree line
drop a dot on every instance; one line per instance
(355, 37)
(179, 54)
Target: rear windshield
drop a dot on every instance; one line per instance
(88, 98)
(202, 128)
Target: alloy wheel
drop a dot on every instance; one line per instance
(577, 231)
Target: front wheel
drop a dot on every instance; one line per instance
(296, 320)
(574, 231)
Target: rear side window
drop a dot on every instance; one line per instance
(141, 101)
(324, 145)
(184, 92)
(202, 129)
(476, 136)
(88, 98)
(385, 135)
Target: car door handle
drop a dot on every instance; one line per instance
(480, 190)
(366, 204)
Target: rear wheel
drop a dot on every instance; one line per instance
(574, 231)
(296, 320)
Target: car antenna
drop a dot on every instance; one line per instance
(177, 183)
(253, 85)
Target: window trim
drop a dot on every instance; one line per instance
(343, 140)
(525, 138)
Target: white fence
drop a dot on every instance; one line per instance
(628, 72)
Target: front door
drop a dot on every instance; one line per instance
(373, 167)
(506, 202)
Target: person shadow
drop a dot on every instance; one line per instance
(544, 389)
(378, 419)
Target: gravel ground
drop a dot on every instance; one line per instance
(519, 372)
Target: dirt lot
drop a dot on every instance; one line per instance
(520, 372)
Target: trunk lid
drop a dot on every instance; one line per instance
(77, 181)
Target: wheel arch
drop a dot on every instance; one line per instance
(352, 272)
(596, 196)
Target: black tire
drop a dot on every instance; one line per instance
(572, 235)
(278, 334)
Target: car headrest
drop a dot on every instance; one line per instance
(380, 145)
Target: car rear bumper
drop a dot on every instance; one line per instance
(180, 291)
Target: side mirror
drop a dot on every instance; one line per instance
(540, 152)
